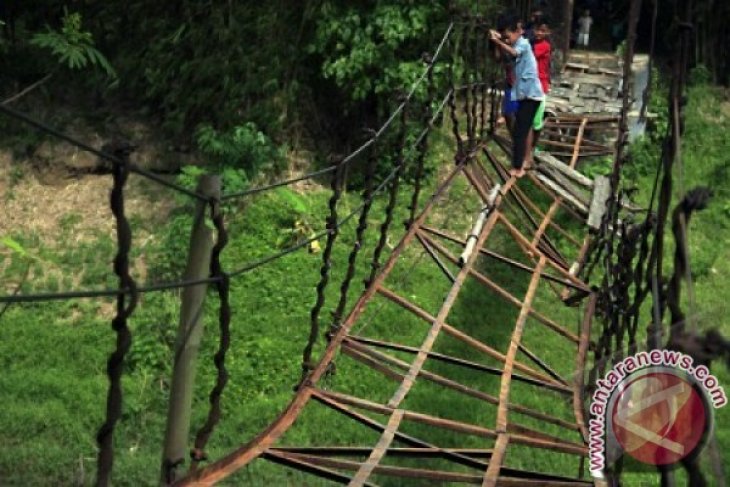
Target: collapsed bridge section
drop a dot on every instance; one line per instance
(506, 383)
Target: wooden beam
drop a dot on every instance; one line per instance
(601, 193)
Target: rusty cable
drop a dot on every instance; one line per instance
(125, 307)
(483, 85)
(452, 101)
(394, 185)
(224, 341)
(332, 232)
(422, 146)
(362, 225)
(474, 88)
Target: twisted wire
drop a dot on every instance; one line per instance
(267, 187)
(483, 85)
(362, 225)
(466, 81)
(224, 323)
(452, 101)
(115, 363)
(422, 145)
(332, 232)
(400, 165)
(474, 39)
(113, 158)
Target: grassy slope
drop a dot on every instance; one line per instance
(53, 355)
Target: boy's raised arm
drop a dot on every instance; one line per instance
(495, 37)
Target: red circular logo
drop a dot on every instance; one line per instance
(659, 418)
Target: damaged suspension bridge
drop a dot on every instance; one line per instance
(550, 228)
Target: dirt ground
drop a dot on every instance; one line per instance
(38, 204)
(59, 211)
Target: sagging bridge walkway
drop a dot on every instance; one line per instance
(525, 213)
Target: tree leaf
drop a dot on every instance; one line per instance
(14, 245)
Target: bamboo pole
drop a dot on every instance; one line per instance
(189, 335)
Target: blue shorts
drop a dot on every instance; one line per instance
(509, 106)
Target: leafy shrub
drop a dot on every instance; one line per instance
(374, 49)
(73, 47)
(700, 75)
(154, 335)
(600, 167)
(243, 147)
(298, 226)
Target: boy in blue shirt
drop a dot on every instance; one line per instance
(527, 90)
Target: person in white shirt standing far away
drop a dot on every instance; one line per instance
(584, 28)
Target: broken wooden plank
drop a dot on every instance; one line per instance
(563, 193)
(601, 192)
(476, 231)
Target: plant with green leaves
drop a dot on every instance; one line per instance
(72, 46)
(370, 50)
(299, 227)
(244, 148)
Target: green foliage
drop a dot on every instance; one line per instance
(73, 47)
(188, 177)
(700, 75)
(243, 147)
(298, 226)
(14, 246)
(54, 368)
(152, 352)
(368, 50)
(296, 202)
(171, 248)
(215, 63)
(598, 167)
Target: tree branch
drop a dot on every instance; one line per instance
(27, 89)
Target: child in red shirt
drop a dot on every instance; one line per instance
(543, 52)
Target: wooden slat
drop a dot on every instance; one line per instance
(601, 192)
(562, 193)
(360, 451)
(504, 389)
(363, 473)
(403, 472)
(495, 464)
(447, 454)
(521, 239)
(300, 463)
(580, 362)
(578, 141)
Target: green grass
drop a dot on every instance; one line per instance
(54, 354)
